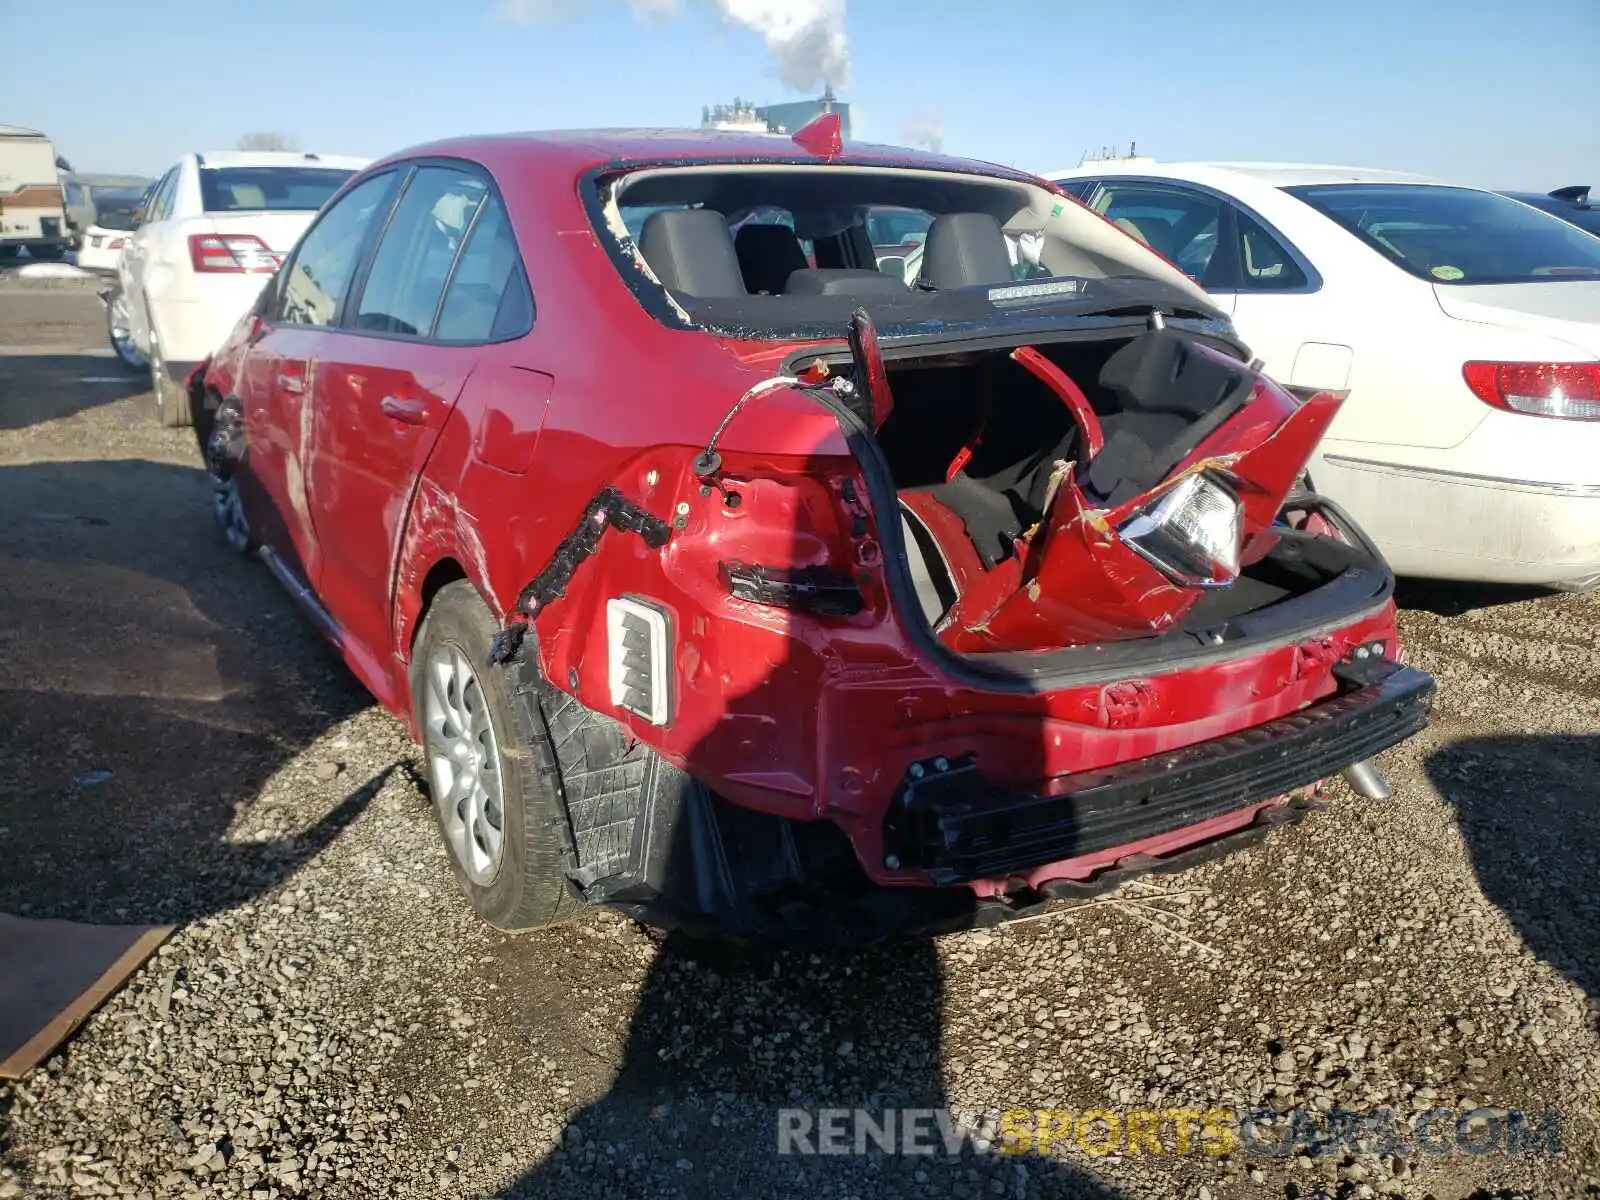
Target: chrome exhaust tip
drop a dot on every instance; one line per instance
(1366, 780)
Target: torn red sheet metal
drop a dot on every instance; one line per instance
(1059, 382)
(1075, 581)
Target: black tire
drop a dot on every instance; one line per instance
(169, 400)
(529, 889)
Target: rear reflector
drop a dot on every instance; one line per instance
(231, 253)
(638, 655)
(1569, 390)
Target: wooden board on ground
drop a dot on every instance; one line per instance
(53, 974)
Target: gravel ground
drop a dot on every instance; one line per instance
(330, 1020)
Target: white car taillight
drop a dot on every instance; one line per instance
(638, 656)
(231, 253)
(1190, 533)
(1570, 389)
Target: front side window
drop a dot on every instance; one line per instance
(487, 298)
(269, 189)
(412, 265)
(1177, 224)
(1457, 235)
(315, 281)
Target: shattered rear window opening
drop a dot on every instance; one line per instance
(1012, 251)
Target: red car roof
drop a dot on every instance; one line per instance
(577, 150)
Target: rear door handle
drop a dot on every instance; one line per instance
(407, 412)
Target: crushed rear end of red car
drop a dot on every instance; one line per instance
(899, 685)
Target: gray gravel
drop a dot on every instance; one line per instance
(330, 1020)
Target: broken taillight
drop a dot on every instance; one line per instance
(816, 590)
(1191, 533)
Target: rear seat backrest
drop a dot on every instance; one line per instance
(768, 255)
(691, 251)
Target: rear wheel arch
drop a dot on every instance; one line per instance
(443, 573)
(412, 602)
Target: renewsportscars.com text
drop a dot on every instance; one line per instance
(1210, 1131)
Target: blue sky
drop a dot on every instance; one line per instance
(1479, 92)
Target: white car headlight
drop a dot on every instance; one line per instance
(1191, 533)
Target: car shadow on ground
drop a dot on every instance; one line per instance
(150, 685)
(1447, 598)
(35, 388)
(731, 1046)
(1526, 808)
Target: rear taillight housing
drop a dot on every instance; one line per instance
(116, 243)
(1569, 390)
(231, 253)
(1190, 533)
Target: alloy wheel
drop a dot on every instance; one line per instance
(119, 326)
(463, 758)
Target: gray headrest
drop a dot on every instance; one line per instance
(691, 251)
(963, 249)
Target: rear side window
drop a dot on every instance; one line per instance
(1265, 264)
(487, 298)
(315, 282)
(269, 189)
(412, 265)
(1457, 235)
(160, 202)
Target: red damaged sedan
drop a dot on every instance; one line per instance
(730, 581)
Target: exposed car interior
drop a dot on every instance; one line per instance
(976, 443)
(981, 437)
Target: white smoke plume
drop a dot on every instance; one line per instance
(806, 39)
(925, 129)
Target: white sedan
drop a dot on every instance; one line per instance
(1463, 327)
(212, 231)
